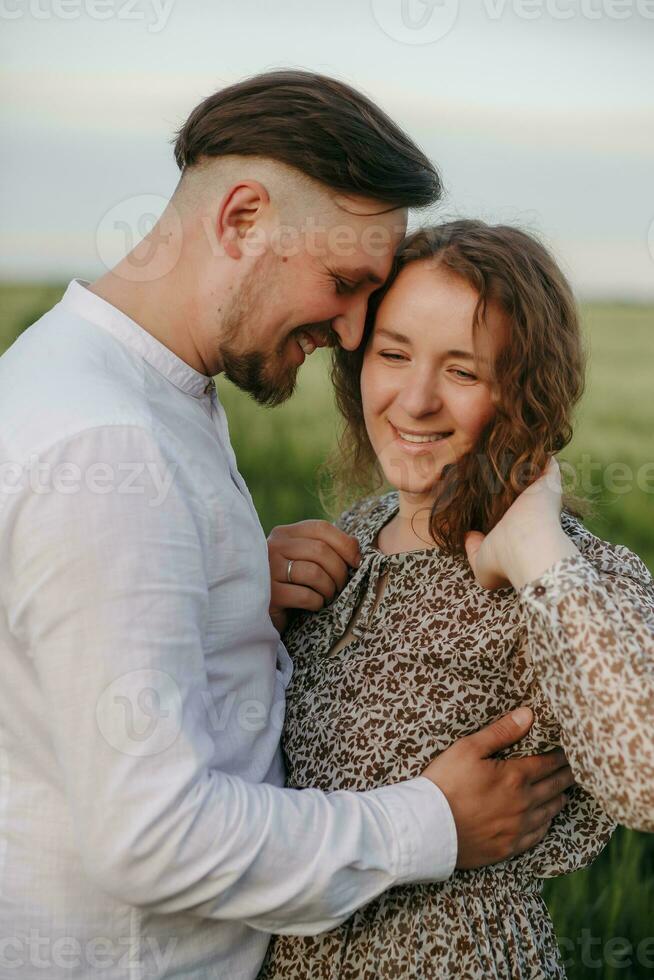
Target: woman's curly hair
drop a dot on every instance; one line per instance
(537, 379)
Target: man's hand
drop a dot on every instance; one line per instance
(501, 807)
(321, 554)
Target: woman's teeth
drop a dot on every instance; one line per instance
(432, 437)
(306, 343)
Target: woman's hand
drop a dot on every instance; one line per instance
(527, 541)
(321, 556)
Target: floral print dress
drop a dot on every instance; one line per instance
(432, 657)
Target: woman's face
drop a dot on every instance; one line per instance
(425, 386)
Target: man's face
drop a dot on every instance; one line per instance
(309, 288)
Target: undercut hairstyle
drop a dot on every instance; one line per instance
(318, 125)
(537, 378)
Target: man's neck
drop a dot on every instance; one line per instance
(156, 309)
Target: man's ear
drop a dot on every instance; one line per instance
(239, 211)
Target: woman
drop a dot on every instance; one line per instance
(474, 595)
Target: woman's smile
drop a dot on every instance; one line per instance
(415, 442)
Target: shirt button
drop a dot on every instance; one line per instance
(540, 590)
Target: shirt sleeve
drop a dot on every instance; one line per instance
(107, 593)
(590, 635)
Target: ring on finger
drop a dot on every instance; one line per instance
(289, 569)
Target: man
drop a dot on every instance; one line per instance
(144, 824)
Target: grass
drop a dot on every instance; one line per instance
(604, 915)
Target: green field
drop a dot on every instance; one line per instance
(605, 915)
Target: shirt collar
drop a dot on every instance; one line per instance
(86, 304)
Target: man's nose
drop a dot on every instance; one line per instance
(349, 325)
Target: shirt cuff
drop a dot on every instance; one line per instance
(566, 575)
(424, 829)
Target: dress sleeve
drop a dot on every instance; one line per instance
(590, 636)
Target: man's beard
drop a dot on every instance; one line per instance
(267, 376)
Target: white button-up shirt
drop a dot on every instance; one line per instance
(144, 830)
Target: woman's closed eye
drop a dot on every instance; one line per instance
(389, 355)
(397, 356)
(464, 375)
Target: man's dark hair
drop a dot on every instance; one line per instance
(320, 126)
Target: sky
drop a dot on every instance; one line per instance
(537, 112)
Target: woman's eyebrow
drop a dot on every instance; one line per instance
(392, 335)
(465, 354)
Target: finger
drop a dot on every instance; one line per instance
(527, 841)
(343, 544)
(547, 789)
(549, 479)
(310, 549)
(307, 574)
(487, 576)
(297, 597)
(544, 814)
(501, 733)
(537, 767)
(552, 475)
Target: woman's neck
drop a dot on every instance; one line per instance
(409, 529)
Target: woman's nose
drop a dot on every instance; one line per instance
(420, 396)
